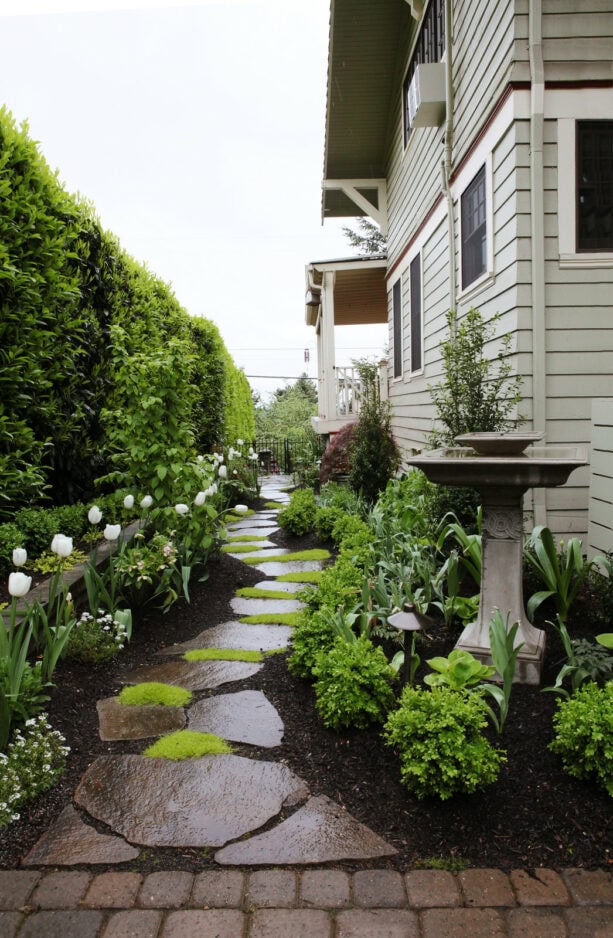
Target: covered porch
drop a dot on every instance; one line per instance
(345, 292)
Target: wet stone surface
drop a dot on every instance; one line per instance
(262, 531)
(194, 675)
(70, 841)
(236, 635)
(120, 722)
(273, 568)
(195, 803)
(276, 585)
(244, 717)
(256, 607)
(319, 832)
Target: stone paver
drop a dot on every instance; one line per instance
(218, 889)
(319, 832)
(246, 717)
(70, 841)
(166, 890)
(297, 923)
(9, 924)
(325, 889)
(69, 924)
(261, 531)
(117, 721)
(263, 554)
(540, 887)
(280, 585)
(428, 889)
(535, 923)
(486, 888)
(236, 635)
(60, 890)
(588, 923)
(195, 675)
(589, 887)
(133, 923)
(379, 923)
(242, 606)
(462, 923)
(112, 891)
(209, 923)
(194, 803)
(273, 889)
(278, 568)
(16, 887)
(379, 888)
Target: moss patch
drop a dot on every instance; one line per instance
(274, 505)
(254, 592)
(187, 744)
(223, 654)
(239, 548)
(307, 576)
(230, 517)
(152, 692)
(318, 553)
(272, 618)
(246, 537)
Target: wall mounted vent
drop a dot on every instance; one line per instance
(426, 96)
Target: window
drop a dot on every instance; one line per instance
(594, 186)
(397, 327)
(430, 47)
(415, 284)
(474, 229)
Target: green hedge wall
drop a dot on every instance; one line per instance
(67, 290)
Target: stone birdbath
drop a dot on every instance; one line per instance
(498, 466)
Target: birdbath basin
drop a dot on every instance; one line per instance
(502, 475)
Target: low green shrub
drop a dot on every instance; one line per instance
(313, 634)
(334, 495)
(38, 528)
(353, 684)
(10, 538)
(325, 521)
(352, 533)
(95, 639)
(299, 516)
(437, 735)
(584, 734)
(34, 760)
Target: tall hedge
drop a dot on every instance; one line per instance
(66, 287)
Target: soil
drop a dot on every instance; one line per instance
(533, 816)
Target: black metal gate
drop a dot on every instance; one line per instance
(278, 455)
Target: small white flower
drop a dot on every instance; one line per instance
(61, 545)
(112, 532)
(240, 508)
(94, 515)
(181, 509)
(235, 472)
(199, 458)
(19, 584)
(128, 502)
(200, 499)
(146, 502)
(20, 555)
(223, 472)
(240, 442)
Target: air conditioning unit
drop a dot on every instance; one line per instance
(426, 96)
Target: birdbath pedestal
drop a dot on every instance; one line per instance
(497, 466)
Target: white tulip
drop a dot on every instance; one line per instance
(240, 508)
(94, 515)
(20, 555)
(19, 584)
(128, 502)
(199, 499)
(146, 502)
(112, 532)
(61, 545)
(214, 488)
(240, 442)
(223, 472)
(181, 509)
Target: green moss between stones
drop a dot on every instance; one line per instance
(187, 744)
(246, 537)
(230, 517)
(318, 553)
(275, 505)
(152, 692)
(254, 592)
(239, 548)
(306, 576)
(223, 654)
(272, 618)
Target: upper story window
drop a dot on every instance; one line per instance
(474, 229)
(594, 191)
(430, 47)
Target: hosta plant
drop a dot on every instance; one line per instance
(459, 671)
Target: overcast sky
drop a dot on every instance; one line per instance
(196, 129)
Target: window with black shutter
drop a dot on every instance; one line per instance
(594, 190)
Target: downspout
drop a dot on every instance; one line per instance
(448, 144)
(537, 232)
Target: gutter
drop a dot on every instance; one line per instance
(448, 144)
(537, 234)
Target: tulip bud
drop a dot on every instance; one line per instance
(112, 532)
(240, 509)
(181, 509)
(146, 502)
(128, 502)
(240, 442)
(223, 472)
(20, 555)
(199, 499)
(19, 584)
(61, 545)
(94, 515)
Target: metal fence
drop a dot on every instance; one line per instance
(288, 455)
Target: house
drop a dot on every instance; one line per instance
(480, 138)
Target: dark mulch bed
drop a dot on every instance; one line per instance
(533, 816)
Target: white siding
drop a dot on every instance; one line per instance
(600, 537)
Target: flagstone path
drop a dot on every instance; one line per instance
(216, 800)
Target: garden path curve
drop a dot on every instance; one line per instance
(255, 809)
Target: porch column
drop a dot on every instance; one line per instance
(327, 350)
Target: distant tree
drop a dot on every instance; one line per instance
(288, 414)
(368, 240)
